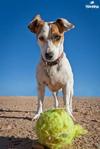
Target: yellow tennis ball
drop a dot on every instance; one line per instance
(55, 128)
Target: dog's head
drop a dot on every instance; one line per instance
(50, 36)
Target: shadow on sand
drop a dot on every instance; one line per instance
(19, 143)
(16, 117)
(8, 110)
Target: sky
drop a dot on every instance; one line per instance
(19, 51)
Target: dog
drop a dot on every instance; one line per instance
(54, 69)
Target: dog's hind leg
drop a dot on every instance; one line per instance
(56, 104)
(41, 90)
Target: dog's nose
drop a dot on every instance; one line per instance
(49, 55)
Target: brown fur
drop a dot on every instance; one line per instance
(55, 31)
(36, 25)
(60, 25)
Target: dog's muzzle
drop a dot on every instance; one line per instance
(54, 62)
(49, 55)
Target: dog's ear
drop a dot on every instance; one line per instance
(36, 24)
(64, 25)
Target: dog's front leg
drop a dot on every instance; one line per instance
(41, 90)
(67, 97)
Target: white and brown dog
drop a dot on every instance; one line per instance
(54, 69)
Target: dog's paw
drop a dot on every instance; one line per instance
(70, 113)
(36, 117)
(73, 117)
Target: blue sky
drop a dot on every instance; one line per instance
(19, 52)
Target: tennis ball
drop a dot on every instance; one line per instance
(55, 129)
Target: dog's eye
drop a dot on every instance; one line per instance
(41, 38)
(56, 37)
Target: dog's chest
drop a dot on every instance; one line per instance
(55, 77)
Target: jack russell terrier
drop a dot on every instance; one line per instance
(54, 69)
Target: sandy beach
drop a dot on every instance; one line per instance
(16, 126)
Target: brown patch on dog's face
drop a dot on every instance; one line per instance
(54, 34)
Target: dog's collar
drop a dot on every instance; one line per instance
(54, 62)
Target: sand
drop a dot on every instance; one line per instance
(16, 126)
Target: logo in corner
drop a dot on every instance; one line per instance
(92, 5)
